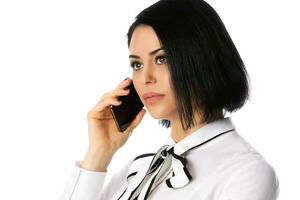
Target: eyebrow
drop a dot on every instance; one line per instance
(151, 53)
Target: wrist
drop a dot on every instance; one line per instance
(96, 160)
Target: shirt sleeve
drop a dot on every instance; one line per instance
(117, 182)
(89, 185)
(254, 181)
(83, 184)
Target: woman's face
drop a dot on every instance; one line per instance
(150, 72)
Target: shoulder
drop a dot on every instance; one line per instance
(252, 176)
(248, 174)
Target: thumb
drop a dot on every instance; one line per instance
(138, 118)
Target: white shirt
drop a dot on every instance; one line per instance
(226, 167)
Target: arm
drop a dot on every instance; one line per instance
(86, 184)
(87, 178)
(254, 181)
(83, 184)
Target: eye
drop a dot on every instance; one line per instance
(135, 65)
(162, 59)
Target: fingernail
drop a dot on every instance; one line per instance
(126, 78)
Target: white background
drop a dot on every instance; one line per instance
(58, 57)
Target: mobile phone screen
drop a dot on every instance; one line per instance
(126, 112)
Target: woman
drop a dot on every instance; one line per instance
(181, 51)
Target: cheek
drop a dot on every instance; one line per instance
(171, 94)
(171, 101)
(137, 87)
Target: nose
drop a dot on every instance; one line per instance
(148, 74)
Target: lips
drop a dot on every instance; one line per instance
(151, 94)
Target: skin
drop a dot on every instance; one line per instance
(150, 73)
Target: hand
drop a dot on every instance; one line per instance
(103, 132)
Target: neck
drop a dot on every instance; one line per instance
(177, 131)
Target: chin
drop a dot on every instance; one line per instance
(157, 112)
(155, 116)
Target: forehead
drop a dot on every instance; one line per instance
(143, 39)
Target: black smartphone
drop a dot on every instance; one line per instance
(125, 113)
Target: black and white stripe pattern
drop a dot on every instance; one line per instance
(159, 169)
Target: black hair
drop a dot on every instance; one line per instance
(206, 70)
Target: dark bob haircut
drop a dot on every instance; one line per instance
(206, 70)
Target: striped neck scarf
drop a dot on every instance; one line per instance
(162, 165)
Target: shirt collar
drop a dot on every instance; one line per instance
(202, 134)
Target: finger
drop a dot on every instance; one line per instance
(120, 92)
(113, 93)
(113, 96)
(124, 84)
(106, 103)
(127, 132)
(136, 120)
